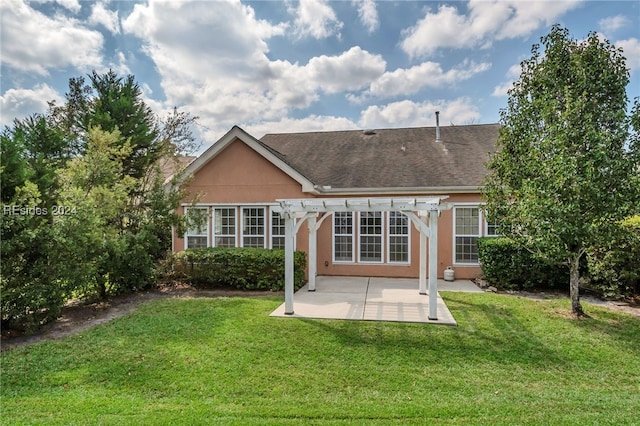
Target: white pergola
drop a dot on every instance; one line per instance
(314, 211)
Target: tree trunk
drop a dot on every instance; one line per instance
(101, 286)
(574, 280)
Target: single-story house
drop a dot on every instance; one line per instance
(239, 183)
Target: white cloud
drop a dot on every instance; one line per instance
(513, 74)
(231, 80)
(368, 14)
(631, 49)
(198, 68)
(67, 42)
(298, 86)
(192, 45)
(72, 5)
(315, 18)
(406, 81)
(613, 23)
(527, 16)
(502, 89)
(485, 22)
(100, 15)
(351, 70)
(312, 123)
(120, 65)
(411, 114)
(447, 28)
(19, 103)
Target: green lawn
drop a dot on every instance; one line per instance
(225, 361)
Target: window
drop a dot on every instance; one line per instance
(371, 237)
(277, 231)
(467, 231)
(343, 237)
(224, 227)
(398, 238)
(492, 229)
(253, 227)
(197, 235)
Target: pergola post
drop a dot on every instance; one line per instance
(422, 278)
(289, 233)
(433, 265)
(313, 249)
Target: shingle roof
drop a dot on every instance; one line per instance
(389, 158)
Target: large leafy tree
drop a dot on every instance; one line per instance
(566, 171)
(98, 196)
(115, 104)
(84, 207)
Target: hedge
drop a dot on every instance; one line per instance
(242, 268)
(614, 268)
(508, 265)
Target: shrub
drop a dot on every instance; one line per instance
(30, 300)
(614, 268)
(507, 264)
(242, 268)
(30, 292)
(132, 268)
(33, 284)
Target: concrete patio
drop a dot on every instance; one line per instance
(372, 299)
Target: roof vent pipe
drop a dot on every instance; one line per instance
(438, 127)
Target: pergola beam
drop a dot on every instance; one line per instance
(363, 204)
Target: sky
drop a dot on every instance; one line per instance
(292, 66)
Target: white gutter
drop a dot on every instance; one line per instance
(319, 190)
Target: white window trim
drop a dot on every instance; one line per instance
(389, 235)
(275, 210)
(235, 230)
(333, 239)
(236, 205)
(266, 224)
(381, 236)
(480, 228)
(486, 231)
(208, 226)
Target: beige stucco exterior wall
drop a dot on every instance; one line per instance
(238, 175)
(445, 249)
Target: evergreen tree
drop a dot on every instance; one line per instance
(111, 102)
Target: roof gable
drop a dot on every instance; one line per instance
(236, 133)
